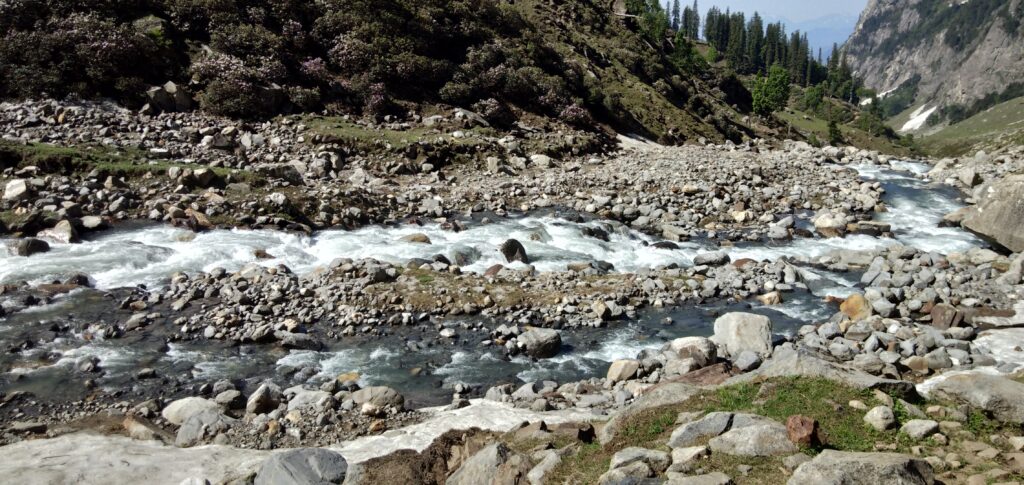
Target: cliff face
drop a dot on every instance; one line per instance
(961, 50)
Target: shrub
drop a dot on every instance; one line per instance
(771, 93)
(81, 54)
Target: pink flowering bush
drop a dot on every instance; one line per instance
(80, 54)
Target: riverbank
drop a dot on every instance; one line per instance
(547, 284)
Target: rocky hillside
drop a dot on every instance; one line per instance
(573, 63)
(958, 57)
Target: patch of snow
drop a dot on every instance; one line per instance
(918, 118)
(483, 414)
(882, 95)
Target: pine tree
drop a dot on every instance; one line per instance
(674, 15)
(755, 44)
(695, 22)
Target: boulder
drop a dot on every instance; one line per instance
(830, 225)
(803, 431)
(717, 258)
(303, 466)
(701, 349)
(1000, 213)
(856, 307)
(709, 426)
(496, 464)
(380, 397)
(788, 362)
(513, 250)
(1001, 397)
(623, 370)
(635, 473)
(656, 460)
(736, 332)
(17, 189)
(880, 417)
(200, 426)
(63, 232)
(770, 439)
(264, 400)
(418, 238)
(177, 412)
(540, 342)
(832, 467)
(658, 396)
(919, 428)
(714, 478)
(30, 246)
(169, 98)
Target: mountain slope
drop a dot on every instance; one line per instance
(569, 62)
(960, 56)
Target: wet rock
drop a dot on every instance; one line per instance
(830, 224)
(30, 246)
(514, 251)
(736, 332)
(418, 238)
(716, 258)
(63, 232)
(303, 466)
(834, 467)
(541, 343)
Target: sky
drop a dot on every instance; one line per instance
(792, 10)
(825, 21)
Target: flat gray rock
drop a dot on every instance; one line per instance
(848, 468)
(757, 440)
(788, 362)
(1002, 397)
(304, 466)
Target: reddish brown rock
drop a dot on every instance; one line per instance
(804, 431)
(856, 307)
(945, 316)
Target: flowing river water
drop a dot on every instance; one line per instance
(149, 255)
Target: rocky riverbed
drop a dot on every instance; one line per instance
(194, 280)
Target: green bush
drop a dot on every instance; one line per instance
(771, 93)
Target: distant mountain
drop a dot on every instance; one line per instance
(822, 32)
(951, 57)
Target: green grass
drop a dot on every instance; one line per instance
(1001, 125)
(129, 162)
(779, 398)
(383, 139)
